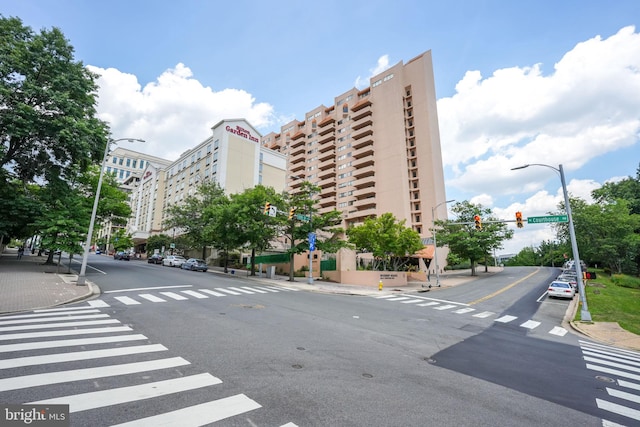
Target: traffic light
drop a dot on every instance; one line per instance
(478, 222)
(519, 219)
(292, 212)
(267, 207)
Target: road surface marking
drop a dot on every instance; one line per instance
(530, 324)
(557, 330)
(505, 319)
(152, 298)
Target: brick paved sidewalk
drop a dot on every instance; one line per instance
(28, 284)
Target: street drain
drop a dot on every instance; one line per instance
(300, 348)
(605, 379)
(367, 375)
(296, 366)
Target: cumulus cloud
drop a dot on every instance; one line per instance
(382, 64)
(582, 110)
(173, 113)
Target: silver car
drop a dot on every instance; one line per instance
(559, 289)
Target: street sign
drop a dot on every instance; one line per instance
(301, 217)
(544, 219)
(273, 211)
(312, 241)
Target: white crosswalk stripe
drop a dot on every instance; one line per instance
(484, 314)
(506, 319)
(127, 300)
(623, 395)
(530, 324)
(110, 353)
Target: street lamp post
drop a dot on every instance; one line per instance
(85, 256)
(435, 244)
(585, 316)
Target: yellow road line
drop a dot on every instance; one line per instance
(506, 288)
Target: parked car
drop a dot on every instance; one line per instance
(571, 278)
(558, 289)
(194, 264)
(122, 255)
(173, 261)
(155, 259)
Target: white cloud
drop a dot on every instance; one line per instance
(382, 64)
(517, 116)
(174, 113)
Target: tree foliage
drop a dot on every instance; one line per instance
(48, 118)
(389, 240)
(468, 243)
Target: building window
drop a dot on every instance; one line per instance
(114, 160)
(141, 164)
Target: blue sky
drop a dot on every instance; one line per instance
(552, 82)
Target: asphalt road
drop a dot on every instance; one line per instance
(291, 358)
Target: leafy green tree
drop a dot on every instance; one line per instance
(48, 100)
(389, 240)
(256, 230)
(159, 242)
(325, 226)
(465, 241)
(192, 217)
(121, 240)
(628, 189)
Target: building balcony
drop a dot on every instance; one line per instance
(328, 137)
(298, 135)
(300, 166)
(326, 121)
(361, 113)
(363, 152)
(326, 129)
(298, 158)
(362, 132)
(328, 191)
(364, 204)
(297, 151)
(327, 155)
(363, 162)
(327, 201)
(295, 143)
(365, 192)
(329, 182)
(364, 103)
(362, 142)
(364, 172)
(359, 124)
(327, 164)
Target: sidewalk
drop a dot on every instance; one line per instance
(27, 284)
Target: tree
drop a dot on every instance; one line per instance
(121, 240)
(159, 242)
(256, 229)
(390, 242)
(48, 100)
(465, 240)
(192, 217)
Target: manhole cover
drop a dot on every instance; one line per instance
(605, 379)
(296, 366)
(367, 375)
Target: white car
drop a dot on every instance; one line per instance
(173, 261)
(560, 289)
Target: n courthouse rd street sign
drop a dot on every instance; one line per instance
(543, 219)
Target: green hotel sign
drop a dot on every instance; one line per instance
(545, 219)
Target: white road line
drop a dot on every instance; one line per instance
(241, 290)
(382, 296)
(627, 384)
(484, 314)
(281, 288)
(85, 310)
(58, 325)
(100, 399)
(604, 355)
(618, 409)
(613, 372)
(557, 330)
(258, 290)
(79, 355)
(505, 319)
(127, 300)
(195, 294)
(214, 293)
(52, 319)
(411, 301)
(266, 289)
(98, 303)
(198, 415)
(59, 309)
(64, 333)
(465, 310)
(28, 381)
(612, 364)
(618, 356)
(615, 350)
(398, 299)
(444, 307)
(530, 324)
(147, 289)
(427, 304)
(174, 296)
(152, 298)
(444, 301)
(69, 343)
(623, 395)
(227, 291)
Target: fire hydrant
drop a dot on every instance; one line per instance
(380, 285)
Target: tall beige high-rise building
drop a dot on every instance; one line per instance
(373, 151)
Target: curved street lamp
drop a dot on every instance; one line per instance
(85, 256)
(585, 316)
(435, 245)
